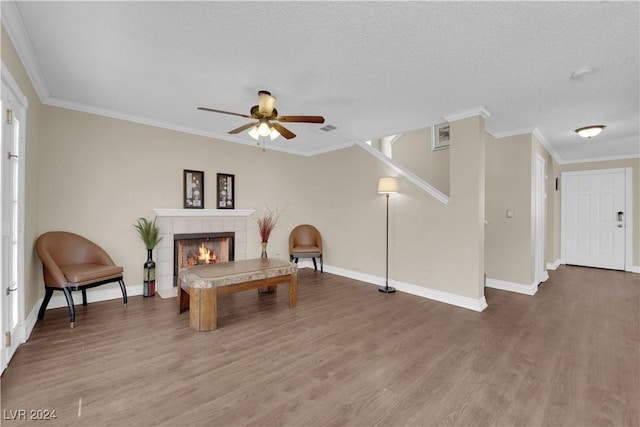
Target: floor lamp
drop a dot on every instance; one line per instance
(387, 186)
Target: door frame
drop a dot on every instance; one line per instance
(19, 104)
(540, 269)
(628, 209)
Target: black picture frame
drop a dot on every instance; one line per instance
(225, 191)
(193, 187)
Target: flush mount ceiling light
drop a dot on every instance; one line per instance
(590, 131)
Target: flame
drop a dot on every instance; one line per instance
(206, 256)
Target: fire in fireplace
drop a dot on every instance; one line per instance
(201, 248)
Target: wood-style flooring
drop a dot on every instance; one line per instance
(345, 355)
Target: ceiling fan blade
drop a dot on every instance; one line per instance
(300, 119)
(243, 127)
(224, 112)
(283, 130)
(266, 103)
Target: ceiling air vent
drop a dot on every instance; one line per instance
(328, 128)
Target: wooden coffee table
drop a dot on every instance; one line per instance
(200, 286)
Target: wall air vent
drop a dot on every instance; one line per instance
(328, 128)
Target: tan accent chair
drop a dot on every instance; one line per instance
(305, 241)
(72, 263)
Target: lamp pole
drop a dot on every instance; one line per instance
(387, 289)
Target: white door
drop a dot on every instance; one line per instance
(13, 107)
(594, 218)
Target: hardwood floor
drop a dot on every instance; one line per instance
(345, 355)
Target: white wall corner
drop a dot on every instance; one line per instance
(504, 285)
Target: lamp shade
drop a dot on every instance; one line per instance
(590, 131)
(254, 133)
(387, 185)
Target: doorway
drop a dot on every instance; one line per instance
(596, 218)
(12, 141)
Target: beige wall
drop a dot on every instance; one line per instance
(432, 245)
(33, 267)
(97, 175)
(509, 241)
(413, 151)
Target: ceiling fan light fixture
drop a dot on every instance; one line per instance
(263, 128)
(590, 131)
(274, 133)
(253, 133)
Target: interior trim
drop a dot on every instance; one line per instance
(425, 186)
(504, 285)
(433, 294)
(203, 212)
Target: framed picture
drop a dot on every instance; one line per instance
(193, 189)
(440, 137)
(226, 186)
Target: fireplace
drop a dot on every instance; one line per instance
(182, 221)
(201, 248)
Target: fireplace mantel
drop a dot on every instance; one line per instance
(204, 212)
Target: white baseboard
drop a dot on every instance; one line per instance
(557, 263)
(168, 293)
(503, 285)
(93, 295)
(554, 265)
(433, 294)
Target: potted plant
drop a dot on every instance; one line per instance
(149, 232)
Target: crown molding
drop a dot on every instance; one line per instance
(478, 111)
(12, 23)
(601, 159)
(537, 133)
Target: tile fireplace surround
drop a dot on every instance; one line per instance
(182, 221)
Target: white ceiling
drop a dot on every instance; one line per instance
(372, 69)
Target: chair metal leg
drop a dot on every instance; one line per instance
(321, 265)
(84, 297)
(315, 266)
(124, 292)
(72, 309)
(45, 302)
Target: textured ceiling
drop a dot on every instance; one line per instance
(372, 69)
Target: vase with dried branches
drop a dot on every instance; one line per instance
(266, 223)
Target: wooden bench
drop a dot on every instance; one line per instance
(200, 286)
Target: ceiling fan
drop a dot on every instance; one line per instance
(265, 112)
